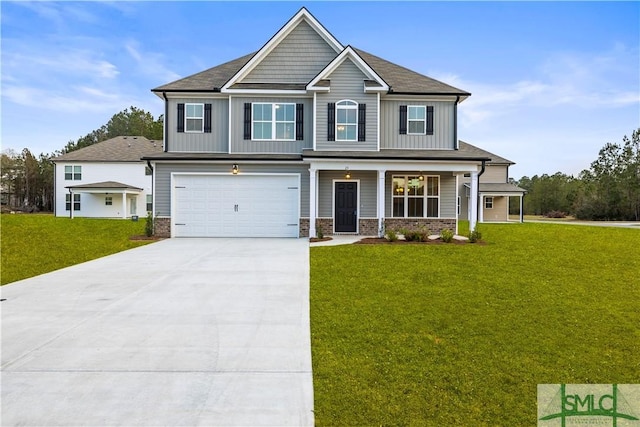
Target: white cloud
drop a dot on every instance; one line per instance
(150, 64)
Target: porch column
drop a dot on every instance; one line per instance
(473, 201)
(481, 208)
(380, 202)
(72, 204)
(124, 205)
(313, 200)
(521, 208)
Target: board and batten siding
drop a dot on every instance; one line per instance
(163, 180)
(448, 202)
(367, 191)
(298, 58)
(347, 82)
(199, 142)
(443, 122)
(241, 145)
(495, 174)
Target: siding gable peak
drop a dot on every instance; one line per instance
(372, 83)
(301, 24)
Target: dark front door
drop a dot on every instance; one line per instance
(346, 206)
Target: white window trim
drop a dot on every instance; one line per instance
(424, 121)
(76, 173)
(67, 199)
(108, 200)
(273, 121)
(187, 117)
(405, 196)
(353, 106)
(488, 202)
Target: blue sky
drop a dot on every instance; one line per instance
(551, 82)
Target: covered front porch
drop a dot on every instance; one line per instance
(108, 199)
(367, 197)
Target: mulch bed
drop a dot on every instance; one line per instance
(143, 237)
(324, 239)
(383, 241)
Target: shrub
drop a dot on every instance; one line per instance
(555, 214)
(446, 235)
(474, 236)
(148, 226)
(391, 235)
(319, 233)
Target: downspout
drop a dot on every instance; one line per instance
(480, 198)
(153, 194)
(455, 125)
(164, 125)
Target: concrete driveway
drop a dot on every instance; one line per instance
(182, 332)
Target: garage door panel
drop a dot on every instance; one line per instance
(236, 206)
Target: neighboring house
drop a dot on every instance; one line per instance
(106, 180)
(494, 190)
(307, 134)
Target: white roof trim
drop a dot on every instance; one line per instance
(302, 15)
(348, 52)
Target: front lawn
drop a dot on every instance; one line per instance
(461, 335)
(36, 244)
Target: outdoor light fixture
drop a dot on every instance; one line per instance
(347, 174)
(421, 177)
(234, 169)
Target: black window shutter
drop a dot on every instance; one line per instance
(362, 122)
(247, 120)
(429, 120)
(403, 120)
(331, 121)
(180, 117)
(299, 122)
(207, 118)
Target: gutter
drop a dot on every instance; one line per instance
(166, 117)
(153, 193)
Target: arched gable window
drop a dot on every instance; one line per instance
(346, 120)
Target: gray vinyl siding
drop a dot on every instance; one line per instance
(495, 174)
(367, 191)
(443, 122)
(447, 192)
(240, 145)
(347, 82)
(214, 142)
(297, 59)
(163, 180)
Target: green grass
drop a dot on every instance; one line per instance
(36, 244)
(451, 335)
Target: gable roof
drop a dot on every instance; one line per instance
(399, 79)
(375, 82)
(118, 149)
(104, 185)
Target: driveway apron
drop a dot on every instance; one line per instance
(184, 332)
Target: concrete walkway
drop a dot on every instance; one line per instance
(186, 332)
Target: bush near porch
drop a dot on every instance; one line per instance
(462, 334)
(34, 244)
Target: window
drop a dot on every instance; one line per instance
(488, 202)
(346, 121)
(416, 119)
(108, 200)
(194, 117)
(73, 173)
(274, 122)
(416, 197)
(149, 202)
(76, 202)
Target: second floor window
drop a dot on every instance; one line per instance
(274, 122)
(194, 117)
(346, 121)
(417, 118)
(73, 173)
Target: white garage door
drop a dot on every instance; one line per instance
(236, 205)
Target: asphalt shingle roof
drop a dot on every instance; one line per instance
(118, 149)
(104, 185)
(465, 146)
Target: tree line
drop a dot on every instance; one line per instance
(27, 181)
(608, 190)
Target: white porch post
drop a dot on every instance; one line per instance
(381, 173)
(72, 204)
(521, 208)
(124, 205)
(481, 208)
(313, 198)
(473, 201)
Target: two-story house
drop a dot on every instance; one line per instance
(308, 134)
(105, 180)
